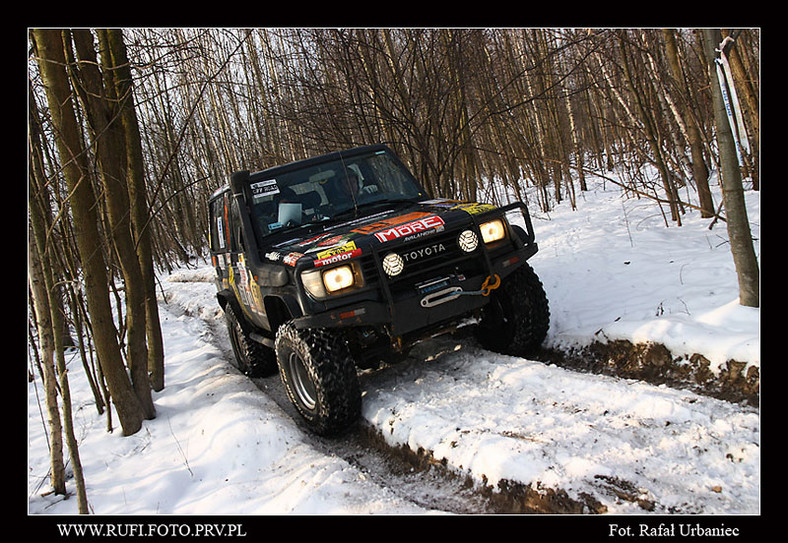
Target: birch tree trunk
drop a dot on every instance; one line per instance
(732, 192)
(39, 288)
(700, 172)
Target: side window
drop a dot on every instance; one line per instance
(236, 237)
(219, 233)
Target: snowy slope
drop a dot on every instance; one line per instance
(220, 445)
(613, 270)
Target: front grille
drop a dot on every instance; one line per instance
(433, 255)
(370, 270)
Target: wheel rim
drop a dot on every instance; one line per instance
(302, 385)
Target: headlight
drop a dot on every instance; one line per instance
(338, 278)
(492, 231)
(321, 283)
(313, 283)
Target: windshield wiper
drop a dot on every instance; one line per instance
(354, 211)
(319, 223)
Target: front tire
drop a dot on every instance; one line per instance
(319, 375)
(251, 358)
(517, 318)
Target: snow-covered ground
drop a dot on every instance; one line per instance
(222, 446)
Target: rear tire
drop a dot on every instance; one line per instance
(251, 358)
(517, 318)
(319, 375)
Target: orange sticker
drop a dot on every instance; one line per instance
(380, 225)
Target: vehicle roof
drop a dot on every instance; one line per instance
(304, 163)
(311, 161)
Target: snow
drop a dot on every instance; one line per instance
(613, 270)
(221, 445)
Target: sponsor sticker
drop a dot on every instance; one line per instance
(474, 208)
(379, 225)
(310, 241)
(348, 247)
(333, 241)
(333, 259)
(292, 258)
(420, 225)
(261, 189)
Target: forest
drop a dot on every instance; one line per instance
(131, 130)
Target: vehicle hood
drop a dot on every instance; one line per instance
(351, 238)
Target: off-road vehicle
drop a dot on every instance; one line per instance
(343, 260)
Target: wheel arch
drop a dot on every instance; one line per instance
(226, 297)
(279, 310)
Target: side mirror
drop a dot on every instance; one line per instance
(238, 181)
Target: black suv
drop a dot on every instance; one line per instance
(343, 261)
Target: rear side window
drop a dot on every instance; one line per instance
(220, 232)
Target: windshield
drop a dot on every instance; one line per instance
(330, 190)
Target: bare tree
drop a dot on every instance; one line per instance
(689, 122)
(82, 205)
(100, 102)
(733, 193)
(118, 72)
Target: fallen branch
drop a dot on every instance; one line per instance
(716, 214)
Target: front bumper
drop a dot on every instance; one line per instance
(423, 305)
(437, 290)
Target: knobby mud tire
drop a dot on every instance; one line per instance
(251, 358)
(516, 320)
(319, 375)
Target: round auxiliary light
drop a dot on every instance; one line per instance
(468, 241)
(393, 264)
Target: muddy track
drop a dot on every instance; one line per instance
(418, 477)
(404, 474)
(653, 363)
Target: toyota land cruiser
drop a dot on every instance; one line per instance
(343, 260)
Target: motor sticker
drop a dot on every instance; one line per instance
(332, 259)
(420, 225)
